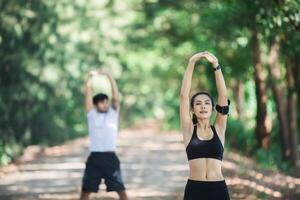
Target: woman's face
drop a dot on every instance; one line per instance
(202, 106)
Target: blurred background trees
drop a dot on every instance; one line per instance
(48, 47)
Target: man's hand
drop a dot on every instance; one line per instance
(103, 72)
(93, 73)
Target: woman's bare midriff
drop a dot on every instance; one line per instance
(205, 169)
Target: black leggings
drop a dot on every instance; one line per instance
(206, 190)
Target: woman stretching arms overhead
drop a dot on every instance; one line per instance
(204, 142)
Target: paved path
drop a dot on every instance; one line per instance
(154, 167)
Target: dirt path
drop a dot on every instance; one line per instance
(154, 167)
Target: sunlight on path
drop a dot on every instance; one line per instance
(154, 167)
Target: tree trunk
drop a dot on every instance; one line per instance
(278, 89)
(239, 95)
(293, 73)
(263, 123)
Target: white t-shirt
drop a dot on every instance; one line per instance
(103, 130)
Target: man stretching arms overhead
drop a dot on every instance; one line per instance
(103, 122)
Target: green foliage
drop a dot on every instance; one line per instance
(271, 159)
(240, 137)
(24, 106)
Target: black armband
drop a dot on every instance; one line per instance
(224, 110)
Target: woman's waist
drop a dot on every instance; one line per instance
(205, 170)
(206, 176)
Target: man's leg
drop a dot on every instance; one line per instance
(91, 177)
(122, 194)
(84, 195)
(113, 177)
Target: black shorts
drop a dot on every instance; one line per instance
(102, 165)
(206, 190)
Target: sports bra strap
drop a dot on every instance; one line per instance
(213, 128)
(195, 129)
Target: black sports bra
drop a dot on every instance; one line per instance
(212, 148)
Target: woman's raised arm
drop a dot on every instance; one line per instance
(223, 101)
(185, 118)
